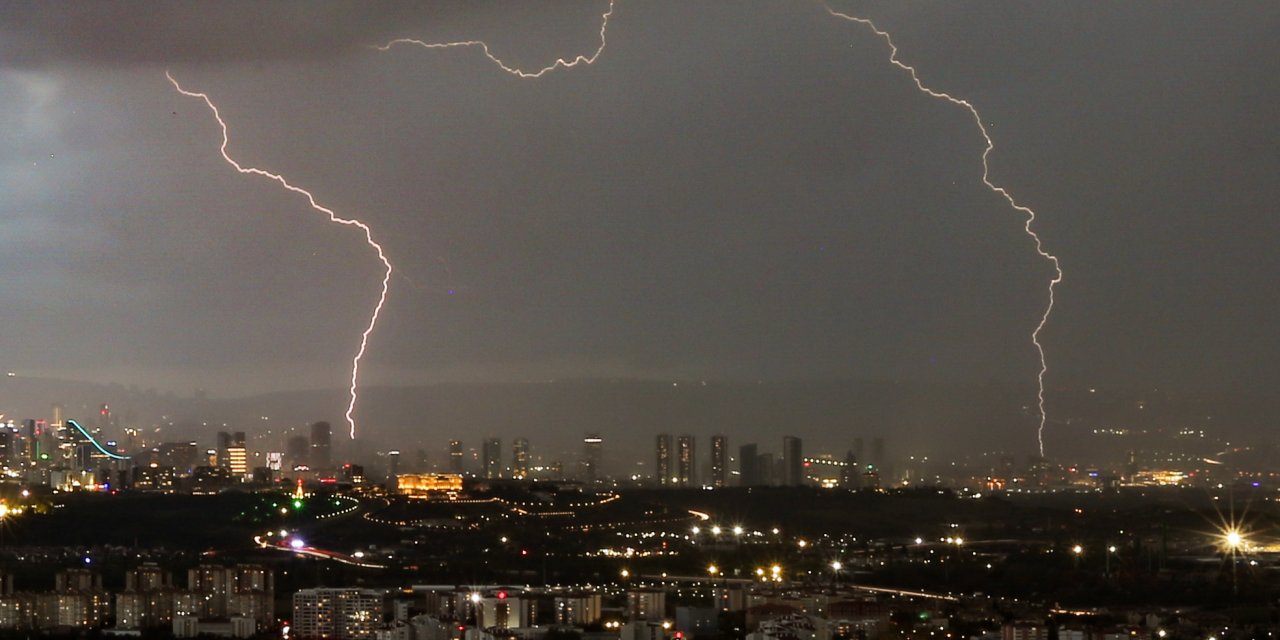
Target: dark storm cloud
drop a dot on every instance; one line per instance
(743, 190)
(104, 33)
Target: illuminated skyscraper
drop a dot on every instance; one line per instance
(719, 460)
(520, 458)
(491, 456)
(686, 461)
(792, 462)
(455, 456)
(592, 453)
(393, 464)
(321, 455)
(662, 468)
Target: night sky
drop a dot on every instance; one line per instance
(733, 191)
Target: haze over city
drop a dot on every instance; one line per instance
(733, 195)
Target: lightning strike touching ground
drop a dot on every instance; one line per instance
(333, 217)
(560, 63)
(986, 179)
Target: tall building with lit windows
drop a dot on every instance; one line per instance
(719, 461)
(520, 458)
(686, 461)
(592, 453)
(491, 456)
(662, 467)
(455, 456)
(336, 614)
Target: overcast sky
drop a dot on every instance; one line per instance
(733, 190)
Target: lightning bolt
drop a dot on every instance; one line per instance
(333, 217)
(560, 63)
(986, 179)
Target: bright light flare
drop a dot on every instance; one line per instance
(986, 179)
(297, 543)
(1233, 540)
(333, 217)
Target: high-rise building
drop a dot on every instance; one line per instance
(455, 456)
(238, 461)
(56, 420)
(321, 454)
(221, 444)
(502, 611)
(792, 462)
(592, 453)
(849, 476)
(662, 467)
(491, 456)
(393, 464)
(749, 474)
(578, 609)
(686, 461)
(520, 458)
(719, 460)
(337, 614)
(297, 451)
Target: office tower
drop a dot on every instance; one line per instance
(56, 418)
(685, 461)
(238, 461)
(491, 457)
(850, 475)
(337, 614)
(591, 455)
(298, 451)
(719, 458)
(748, 465)
(321, 434)
(222, 445)
(662, 468)
(520, 458)
(393, 464)
(792, 462)
(455, 456)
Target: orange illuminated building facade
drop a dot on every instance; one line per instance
(429, 485)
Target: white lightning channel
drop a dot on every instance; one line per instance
(333, 217)
(560, 63)
(986, 179)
